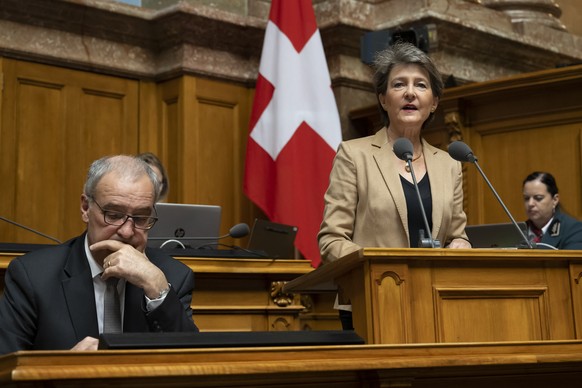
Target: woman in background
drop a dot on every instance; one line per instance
(546, 223)
(155, 163)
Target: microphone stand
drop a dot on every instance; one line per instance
(431, 243)
(529, 243)
(462, 153)
(30, 229)
(255, 253)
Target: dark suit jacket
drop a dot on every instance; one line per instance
(564, 232)
(49, 301)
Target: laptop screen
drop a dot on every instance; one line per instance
(185, 226)
(503, 235)
(276, 240)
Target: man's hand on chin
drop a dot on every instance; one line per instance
(87, 343)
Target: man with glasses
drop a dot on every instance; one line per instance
(63, 297)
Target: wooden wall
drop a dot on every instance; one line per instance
(516, 126)
(55, 122)
(199, 127)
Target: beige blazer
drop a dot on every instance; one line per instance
(365, 204)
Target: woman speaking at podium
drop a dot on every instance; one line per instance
(371, 200)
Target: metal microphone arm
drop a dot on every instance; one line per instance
(432, 243)
(30, 229)
(529, 243)
(462, 152)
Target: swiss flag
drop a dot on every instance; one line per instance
(294, 127)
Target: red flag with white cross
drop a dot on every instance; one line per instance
(294, 127)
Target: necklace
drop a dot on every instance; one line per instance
(407, 168)
(413, 160)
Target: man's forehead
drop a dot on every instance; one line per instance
(121, 189)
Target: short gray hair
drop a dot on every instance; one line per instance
(126, 166)
(403, 53)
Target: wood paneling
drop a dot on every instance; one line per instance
(511, 156)
(517, 125)
(55, 122)
(201, 139)
(493, 314)
(221, 127)
(517, 131)
(456, 295)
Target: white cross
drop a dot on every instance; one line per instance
(302, 93)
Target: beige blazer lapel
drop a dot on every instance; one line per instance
(383, 156)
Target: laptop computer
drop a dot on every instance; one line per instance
(185, 226)
(276, 240)
(503, 235)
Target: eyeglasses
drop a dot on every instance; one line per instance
(116, 218)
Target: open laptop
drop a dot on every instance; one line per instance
(503, 235)
(276, 240)
(185, 226)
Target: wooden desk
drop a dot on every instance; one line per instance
(236, 294)
(454, 295)
(505, 365)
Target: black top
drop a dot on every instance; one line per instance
(415, 219)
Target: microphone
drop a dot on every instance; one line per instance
(29, 229)
(404, 150)
(237, 231)
(461, 152)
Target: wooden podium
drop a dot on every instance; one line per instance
(403, 296)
